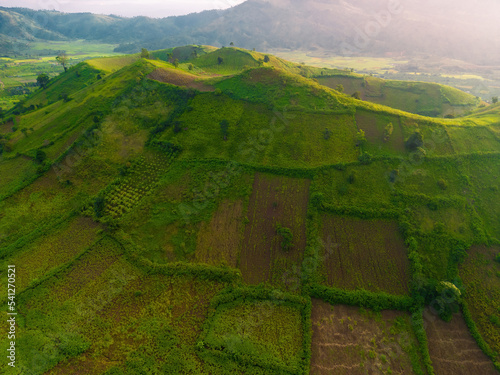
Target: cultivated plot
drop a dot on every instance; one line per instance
(104, 314)
(218, 240)
(453, 350)
(349, 340)
(367, 254)
(274, 201)
(481, 276)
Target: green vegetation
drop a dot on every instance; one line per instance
(202, 210)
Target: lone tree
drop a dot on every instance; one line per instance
(220, 60)
(231, 44)
(494, 99)
(266, 58)
(42, 80)
(339, 88)
(62, 58)
(176, 63)
(224, 127)
(144, 53)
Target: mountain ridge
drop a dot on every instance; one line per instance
(358, 27)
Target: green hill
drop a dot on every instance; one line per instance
(238, 216)
(428, 99)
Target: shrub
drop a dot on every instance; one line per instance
(99, 206)
(389, 128)
(40, 156)
(365, 158)
(360, 138)
(415, 141)
(286, 237)
(497, 258)
(443, 185)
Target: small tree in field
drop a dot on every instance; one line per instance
(286, 237)
(220, 60)
(62, 58)
(176, 63)
(266, 58)
(494, 100)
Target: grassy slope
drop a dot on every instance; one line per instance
(428, 99)
(277, 122)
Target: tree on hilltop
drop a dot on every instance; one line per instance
(144, 53)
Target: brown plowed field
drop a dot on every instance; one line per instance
(274, 200)
(346, 341)
(179, 79)
(367, 254)
(452, 348)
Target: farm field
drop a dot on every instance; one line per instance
(161, 228)
(107, 308)
(481, 276)
(367, 254)
(274, 201)
(266, 334)
(53, 250)
(349, 340)
(452, 349)
(219, 240)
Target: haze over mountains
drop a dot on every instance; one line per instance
(455, 29)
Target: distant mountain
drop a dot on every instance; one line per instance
(455, 29)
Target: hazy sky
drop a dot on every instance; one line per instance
(129, 8)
